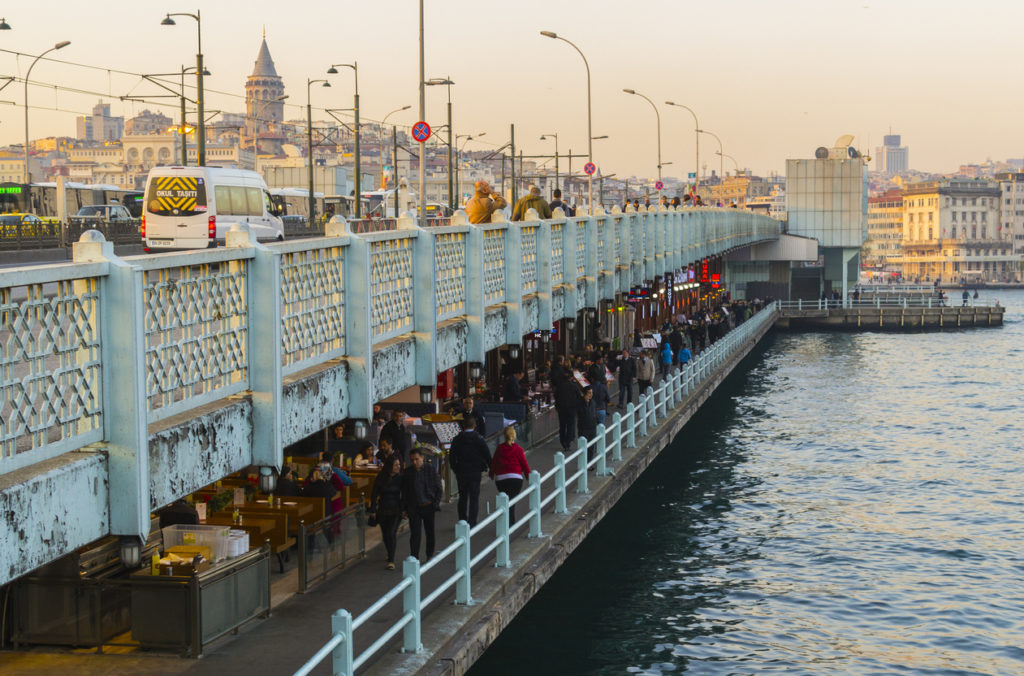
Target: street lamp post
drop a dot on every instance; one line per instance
(200, 103)
(720, 150)
(383, 184)
(451, 178)
(309, 145)
(658, 115)
(423, 117)
(59, 45)
(590, 133)
(544, 138)
(696, 133)
(359, 174)
(458, 159)
(735, 164)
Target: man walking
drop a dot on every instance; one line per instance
(421, 499)
(627, 372)
(557, 203)
(470, 458)
(586, 415)
(566, 397)
(644, 373)
(531, 200)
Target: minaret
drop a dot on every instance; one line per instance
(262, 111)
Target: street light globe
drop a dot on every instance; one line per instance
(549, 34)
(4, 26)
(167, 21)
(62, 45)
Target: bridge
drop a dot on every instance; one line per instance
(131, 381)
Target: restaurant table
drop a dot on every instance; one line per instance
(257, 528)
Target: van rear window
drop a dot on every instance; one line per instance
(176, 196)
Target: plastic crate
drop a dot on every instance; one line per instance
(214, 537)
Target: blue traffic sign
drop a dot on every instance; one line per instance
(589, 168)
(658, 185)
(421, 131)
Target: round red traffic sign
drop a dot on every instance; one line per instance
(589, 168)
(658, 185)
(421, 131)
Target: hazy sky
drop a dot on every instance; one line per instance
(772, 79)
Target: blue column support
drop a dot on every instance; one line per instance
(616, 437)
(544, 286)
(412, 632)
(513, 280)
(476, 351)
(463, 556)
(125, 418)
(341, 656)
(591, 262)
(535, 524)
(581, 466)
(358, 321)
(502, 556)
(424, 309)
(265, 381)
(569, 306)
(560, 506)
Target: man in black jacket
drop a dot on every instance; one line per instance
(421, 499)
(627, 372)
(394, 431)
(586, 414)
(470, 457)
(468, 411)
(566, 398)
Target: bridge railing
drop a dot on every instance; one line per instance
(51, 361)
(541, 492)
(896, 302)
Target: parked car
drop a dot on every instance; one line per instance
(12, 225)
(108, 213)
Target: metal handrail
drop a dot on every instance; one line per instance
(642, 418)
(902, 302)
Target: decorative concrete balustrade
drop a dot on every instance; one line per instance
(128, 382)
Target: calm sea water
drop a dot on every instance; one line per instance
(844, 504)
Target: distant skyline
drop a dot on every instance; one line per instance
(773, 80)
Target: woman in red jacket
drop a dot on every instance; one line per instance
(509, 468)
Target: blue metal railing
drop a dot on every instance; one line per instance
(639, 420)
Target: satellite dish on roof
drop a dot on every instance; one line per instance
(821, 153)
(844, 141)
(291, 150)
(854, 153)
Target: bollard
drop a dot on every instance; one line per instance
(535, 531)
(463, 588)
(631, 423)
(602, 466)
(560, 507)
(502, 559)
(616, 437)
(581, 466)
(341, 656)
(411, 633)
(652, 409)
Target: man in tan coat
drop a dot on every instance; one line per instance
(532, 200)
(483, 203)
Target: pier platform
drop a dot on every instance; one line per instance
(908, 316)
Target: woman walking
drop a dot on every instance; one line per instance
(509, 468)
(386, 504)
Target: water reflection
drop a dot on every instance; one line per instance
(850, 503)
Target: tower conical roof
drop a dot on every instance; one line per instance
(264, 64)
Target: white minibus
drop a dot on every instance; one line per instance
(194, 207)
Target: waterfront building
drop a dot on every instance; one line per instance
(826, 198)
(891, 158)
(882, 249)
(1012, 209)
(952, 231)
(101, 125)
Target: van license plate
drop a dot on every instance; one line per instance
(161, 242)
